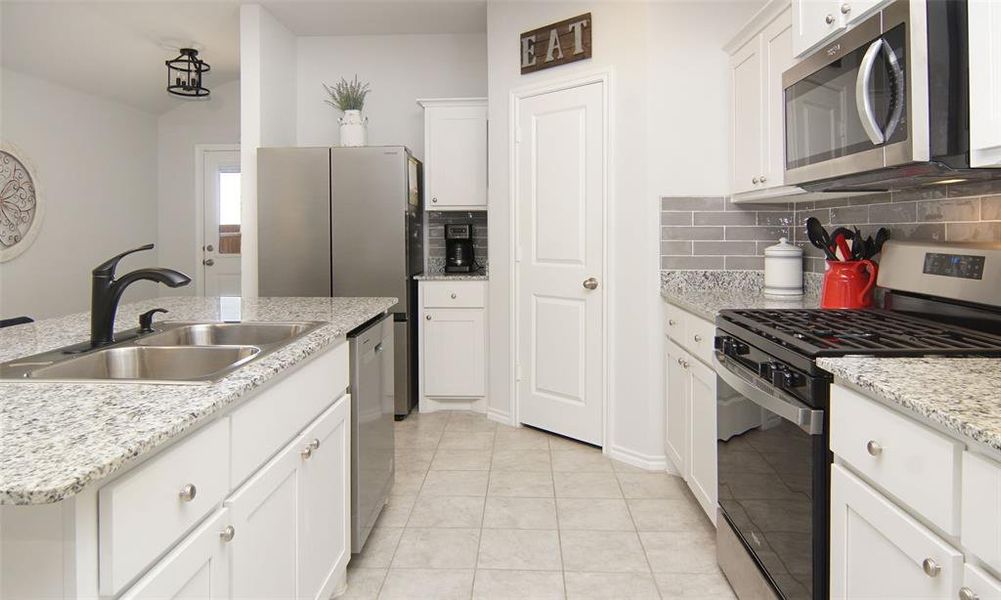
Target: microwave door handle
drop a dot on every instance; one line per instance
(863, 97)
(767, 396)
(898, 90)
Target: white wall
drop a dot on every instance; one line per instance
(267, 114)
(212, 121)
(667, 103)
(95, 161)
(400, 69)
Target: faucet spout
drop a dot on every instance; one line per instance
(106, 291)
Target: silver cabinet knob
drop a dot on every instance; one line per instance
(208, 262)
(763, 179)
(754, 180)
(846, 8)
(873, 448)
(435, 200)
(307, 452)
(672, 322)
(591, 283)
(681, 361)
(966, 593)
(454, 296)
(829, 19)
(930, 567)
(315, 444)
(427, 318)
(684, 364)
(697, 338)
(228, 533)
(188, 493)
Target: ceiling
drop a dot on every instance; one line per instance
(380, 17)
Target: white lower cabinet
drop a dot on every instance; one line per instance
(453, 345)
(677, 385)
(978, 585)
(880, 551)
(199, 567)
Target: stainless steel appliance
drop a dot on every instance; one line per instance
(774, 467)
(345, 222)
(459, 256)
(885, 105)
(372, 410)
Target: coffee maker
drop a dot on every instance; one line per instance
(459, 248)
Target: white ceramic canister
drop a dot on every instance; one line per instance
(784, 269)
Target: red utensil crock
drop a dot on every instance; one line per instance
(848, 284)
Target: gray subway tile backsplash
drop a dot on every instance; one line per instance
(731, 236)
(435, 223)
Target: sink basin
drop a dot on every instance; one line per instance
(151, 364)
(227, 334)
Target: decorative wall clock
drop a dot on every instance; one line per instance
(20, 209)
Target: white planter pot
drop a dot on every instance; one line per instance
(354, 128)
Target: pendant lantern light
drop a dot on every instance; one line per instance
(184, 75)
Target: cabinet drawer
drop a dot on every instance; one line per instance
(982, 585)
(910, 461)
(454, 294)
(143, 513)
(982, 508)
(699, 335)
(674, 322)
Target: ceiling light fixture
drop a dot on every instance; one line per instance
(184, 75)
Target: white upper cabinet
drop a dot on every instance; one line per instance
(985, 83)
(817, 21)
(455, 153)
(746, 106)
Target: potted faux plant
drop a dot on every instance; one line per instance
(349, 98)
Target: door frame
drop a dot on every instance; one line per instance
(517, 95)
(201, 153)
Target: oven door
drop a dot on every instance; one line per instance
(849, 107)
(773, 480)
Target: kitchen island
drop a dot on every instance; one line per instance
(166, 476)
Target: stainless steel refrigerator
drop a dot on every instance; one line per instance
(346, 222)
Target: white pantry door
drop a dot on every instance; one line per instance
(560, 188)
(220, 263)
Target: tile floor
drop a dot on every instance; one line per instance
(486, 511)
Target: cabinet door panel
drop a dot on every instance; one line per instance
(746, 88)
(776, 43)
(676, 388)
(983, 586)
(879, 551)
(453, 352)
(810, 23)
(264, 515)
(198, 568)
(702, 478)
(456, 171)
(985, 83)
(324, 524)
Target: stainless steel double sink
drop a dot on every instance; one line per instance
(176, 353)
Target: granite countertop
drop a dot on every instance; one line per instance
(452, 277)
(705, 293)
(957, 395)
(56, 438)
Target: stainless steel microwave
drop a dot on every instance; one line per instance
(885, 105)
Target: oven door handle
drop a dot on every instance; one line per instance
(747, 383)
(863, 95)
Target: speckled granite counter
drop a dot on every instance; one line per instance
(56, 438)
(958, 395)
(705, 293)
(453, 277)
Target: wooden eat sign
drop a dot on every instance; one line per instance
(557, 44)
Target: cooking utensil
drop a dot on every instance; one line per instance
(858, 246)
(881, 236)
(841, 235)
(818, 236)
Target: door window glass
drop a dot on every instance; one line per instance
(229, 213)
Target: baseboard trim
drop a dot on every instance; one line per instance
(647, 462)
(500, 416)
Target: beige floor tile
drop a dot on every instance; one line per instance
(437, 549)
(704, 586)
(363, 584)
(520, 438)
(557, 442)
(461, 460)
(473, 422)
(581, 461)
(609, 551)
(621, 467)
(594, 514)
(408, 482)
(611, 586)
(526, 549)
(427, 584)
(417, 438)
(467, 440)
(651, 485)
(522, 461)
(668, 514)
(586, 485)
(455, 483)
(397, 511)
(379, 548)
(680, 551)
(491, 584)
(526, 485)
(413, 459)
(519, 513)
(447, 511)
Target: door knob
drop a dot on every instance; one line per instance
(591, 283)
(208, 262)
(209, 248)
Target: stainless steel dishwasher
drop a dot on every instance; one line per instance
(372, 411)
